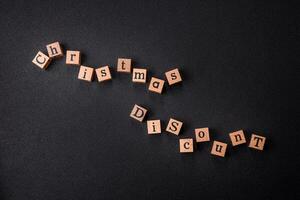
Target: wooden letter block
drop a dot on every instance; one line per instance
(237, 137)
(257, 142)
(202, 135)
(173, 76)
(41, 60)
(156, 85)
(73, 57)
(54, 50)
(86, 73)
(186, 145)
(174, 126)
(139, 75)
(153, 126)
(124, 65)
(219, 148)
(103, 73)
(138, 113)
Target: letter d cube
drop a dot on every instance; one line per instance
(138, 113)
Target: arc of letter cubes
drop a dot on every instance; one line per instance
(73, 57)
(156, 85)
(201, 134)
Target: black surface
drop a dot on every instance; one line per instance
(61, 138)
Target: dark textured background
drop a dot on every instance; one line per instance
(61, 138)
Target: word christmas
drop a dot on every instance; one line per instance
(156, 85)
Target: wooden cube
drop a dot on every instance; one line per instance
(173, 76)
(186, 145)
(86, 73)
(138, 112)
(219, 148)
(257, 142)
(41, 60)
(103, 74)
(202, 135)
(124, 65)
(156, 85)
(237, 137)
(153, 126)
(54, 50)
(174, 126)
(139, 75)
(73, 57)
